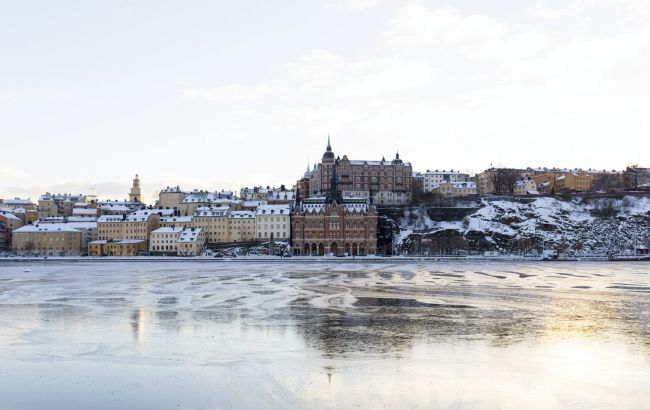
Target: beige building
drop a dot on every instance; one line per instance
(128, 247)
(135, 226)
(191, 242)
(273, 221)
(455, 189)
(432, 179)
(241, 226)
(214, 223)
(26, 204)
(50, 205)
(168, 221)
(164, 240)
(8, 223)
(577, 180)
(525, 187)
(53, 239)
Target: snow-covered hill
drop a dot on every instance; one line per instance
(602, 225)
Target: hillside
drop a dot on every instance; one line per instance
(603, 225)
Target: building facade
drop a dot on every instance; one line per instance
(273, 222)
(382, 182)
(322, 228)
(50, 239)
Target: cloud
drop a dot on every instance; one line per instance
(232, 92)
(475, 36)
(334, 76)
(543, 11)
(360, 5)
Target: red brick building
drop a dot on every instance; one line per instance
(318, 228)
(382, 182)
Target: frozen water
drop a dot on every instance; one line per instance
(236, 335)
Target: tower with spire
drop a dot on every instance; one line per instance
(135, 195)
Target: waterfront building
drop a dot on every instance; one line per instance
(273, 222)
(320, 227)
(134, 226)
(214, 223)
(165, 240)
(241, 226)
(191, 242)
(126, 247)
(47, 239)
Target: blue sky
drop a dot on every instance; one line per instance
(215, 94)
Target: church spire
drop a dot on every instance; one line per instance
(329, 146)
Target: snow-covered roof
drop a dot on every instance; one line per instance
(273, 210)
(176, 219)
(174, 189)
(166, 229)
(121, 242)
(375, 163)
(10, 216)
(242, 214)
(282, 195)
(208, 197)
(249, 204)
(47, 228)
(84, 211)
(211, 211)
(189, 235)
(138, 216)
(523, 182)
(82, 219)
(17, 201)
(13, 210)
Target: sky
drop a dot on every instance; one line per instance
(222, 94)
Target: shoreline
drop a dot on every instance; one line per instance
(292, 260)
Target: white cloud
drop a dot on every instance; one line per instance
(473, 35)
(329, 73)
(232, 92)
(359, 5)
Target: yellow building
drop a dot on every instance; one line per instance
(525, 187)
(129, 247)
(574, 180)
(214, 223)
(241, 226)
(454, 189)
(191, 242)
(135, 226)
(54, 239)
(164, 240)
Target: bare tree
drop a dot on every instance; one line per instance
(503, 180)
(607, 182)
(631, 177)
(29, 246)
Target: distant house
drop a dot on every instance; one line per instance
(525, 187)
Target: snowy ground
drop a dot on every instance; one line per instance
(197, 335)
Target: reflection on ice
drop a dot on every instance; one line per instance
(326, 336)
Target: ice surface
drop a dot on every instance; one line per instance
(249, 335)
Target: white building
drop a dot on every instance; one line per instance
(272, 221)
(191, 242)
(164, 240)
(431, 179)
